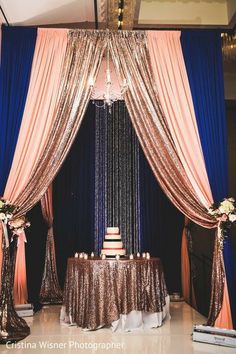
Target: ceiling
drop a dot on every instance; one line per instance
(136, 13)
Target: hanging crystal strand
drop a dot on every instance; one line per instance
(50, 291)
(12, 327)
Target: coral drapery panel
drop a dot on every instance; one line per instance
(172, 84)
(20, 292)
(36, 123)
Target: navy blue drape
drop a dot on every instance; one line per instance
(17, 51)
(203, 59)
(73, 196)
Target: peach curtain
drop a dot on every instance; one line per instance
(174, 92)
(175, 97)
(224, 319)
(20, 292)
(172, 84)
(37, 121)
(51, 123)
(36, 124)
(59, 90)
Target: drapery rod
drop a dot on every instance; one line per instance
(3, 13)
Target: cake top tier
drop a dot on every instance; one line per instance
(113, 230)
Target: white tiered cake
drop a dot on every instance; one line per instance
(112, 244)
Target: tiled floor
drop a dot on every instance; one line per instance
(174, 337)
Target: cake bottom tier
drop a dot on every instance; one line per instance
(113, 252)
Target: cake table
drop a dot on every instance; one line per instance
(124, 294)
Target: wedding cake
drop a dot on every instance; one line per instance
(112, 244)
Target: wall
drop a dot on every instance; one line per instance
(184, 12)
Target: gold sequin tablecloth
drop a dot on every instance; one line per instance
(97, 291)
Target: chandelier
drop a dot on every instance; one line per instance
(229, 45)
(109, 96)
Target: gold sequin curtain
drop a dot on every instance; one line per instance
(130, 56)
(50, 291)
(82, 60)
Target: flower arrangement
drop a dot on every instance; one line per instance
(225, 213)
(18, 225)
(6, 210)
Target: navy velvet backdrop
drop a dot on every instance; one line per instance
(16, 60)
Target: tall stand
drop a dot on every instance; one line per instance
(12, 327)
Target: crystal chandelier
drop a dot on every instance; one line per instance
(109, 96)
(229, 45)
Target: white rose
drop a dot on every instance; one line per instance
(226, 207)
(232, 217)
(2, 216)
